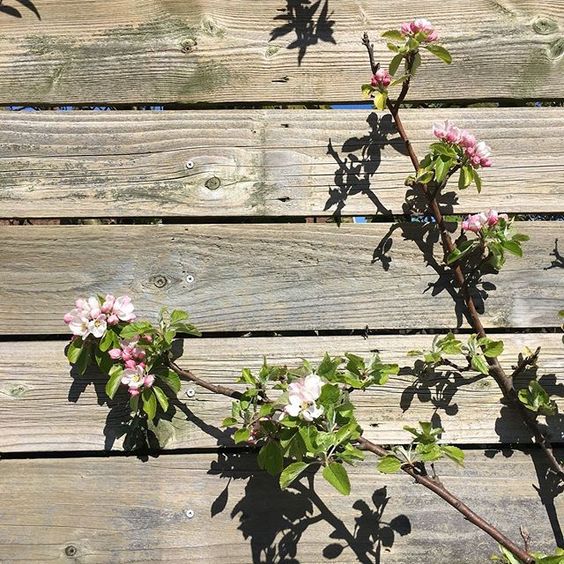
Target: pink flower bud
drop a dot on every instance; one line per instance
(433, 36)
(405, 28)
(125, 356)
(467, 140)
(381, 79)
(68, 317)
(108, 304)
(149, 380)
(115, 354)
(493, 217)
(133, 391)
(147, 338)
(130, 364)
(113, 319)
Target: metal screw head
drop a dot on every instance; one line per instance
(189, 513)
(159, 281)
(189, 165)
(190, 392)
(71, 550)
(213, 183)
(190, 279)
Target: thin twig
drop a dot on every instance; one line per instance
(215, 388)
(504, 381)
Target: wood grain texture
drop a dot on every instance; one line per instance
(251, 277)
(123, 510)
(222, 52)
(42, 408)
(261, 163)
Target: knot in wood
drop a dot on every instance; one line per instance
(159, 281)
(71, 550)
(213, 183)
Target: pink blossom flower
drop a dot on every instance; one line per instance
(86, 318)
(405, 28)
(381, 79)
(475, 222)
(421, 24)
(123, 308)
(133, 378)
(478, 221)
(493, 217)
(302, 395)
(149, 380)
(113, 319)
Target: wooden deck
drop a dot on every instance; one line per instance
(227, 190)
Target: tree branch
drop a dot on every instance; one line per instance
(436, 487)
(423, 479)
(504, 381)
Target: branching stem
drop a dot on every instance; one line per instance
(417, 474)
(504, 381)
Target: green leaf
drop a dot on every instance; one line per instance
(380, 100)
(103, 361)
(229, 422)
(367, 89)
(429, 452)
(520, 237)
(169, 378)
(465, 178)
(424, 176)
(74, 348)
(336, 474)
(454, 453)
(161, 398)
(149, 403)
(440, 52)
(478, 363)
(241, 435)
(509, 558)
(114, 380)
(107, 341)
(187, 328)
(536, 399)
(416, 63)
(441, 167)
(389, 464)
(393, 34)
(270, 458)
(458, 253)
(178, 315)
(136, 328)
(395, 63)
(513, 247)
(477, 179)
(291, 472)
(491, 349)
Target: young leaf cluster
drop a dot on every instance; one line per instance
(424, 447)
(476, 349)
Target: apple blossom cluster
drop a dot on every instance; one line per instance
(477, 152)
(302, 395)
(478, 221)
(92, 316)
(420, 29)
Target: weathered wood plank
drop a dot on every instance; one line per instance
(188, 51)
(275, 163)
(263, 277)
(123, 510)
(43, 409)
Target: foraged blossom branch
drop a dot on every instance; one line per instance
(431, 173)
